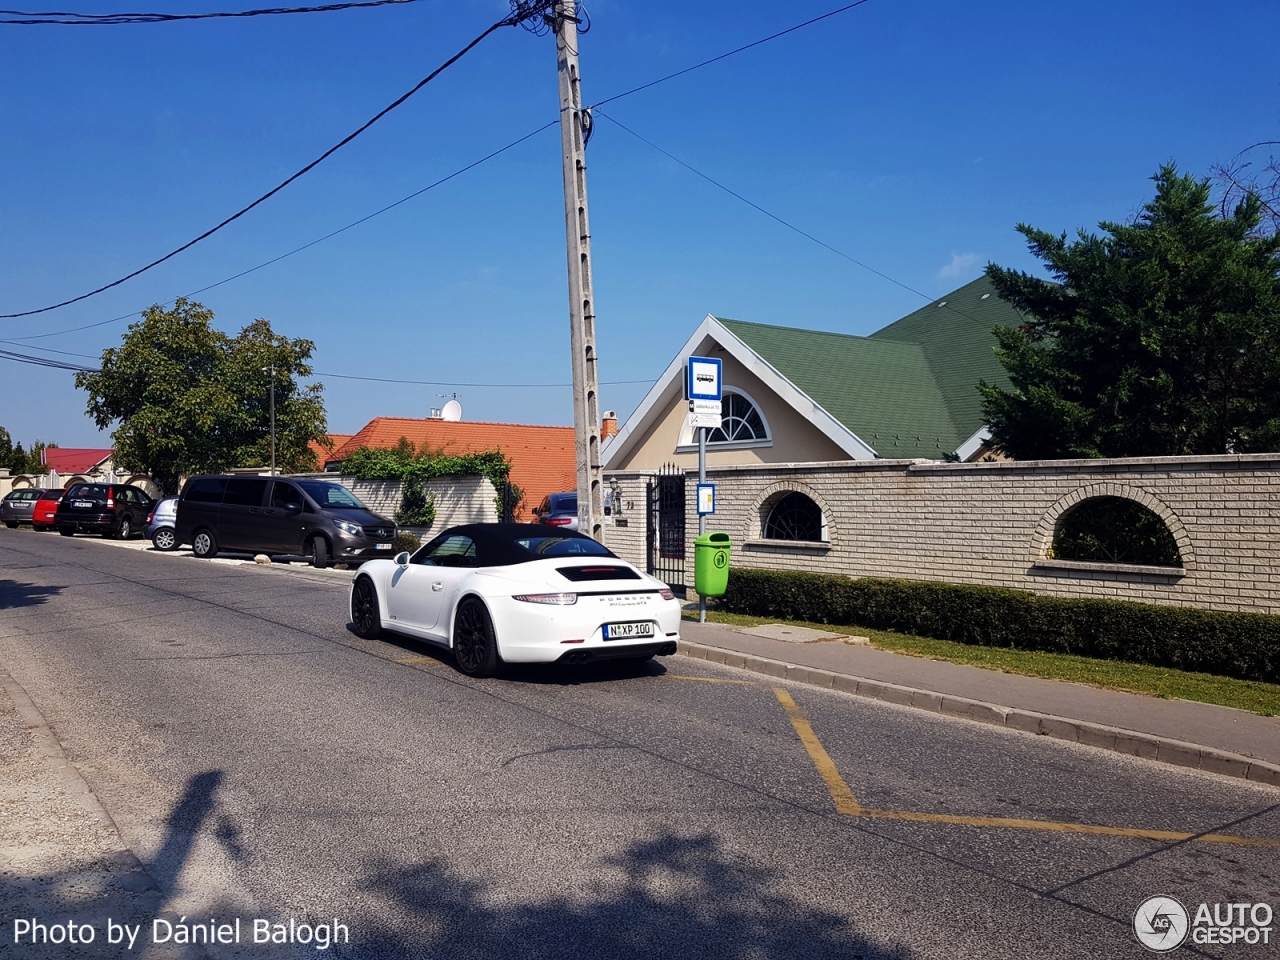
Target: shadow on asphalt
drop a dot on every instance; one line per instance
(540, 674)
(93, 888)
(671, 896)
(15, 594)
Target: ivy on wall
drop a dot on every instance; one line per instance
(415, 465)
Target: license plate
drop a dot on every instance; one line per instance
(627, 631)
(382, 546)
(82, 504)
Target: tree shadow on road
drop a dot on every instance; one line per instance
(15, 593)
(672, 896)
(89, 881)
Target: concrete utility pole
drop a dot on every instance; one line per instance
(582, 316)
(273, 419)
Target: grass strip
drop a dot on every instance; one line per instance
(1164, 682)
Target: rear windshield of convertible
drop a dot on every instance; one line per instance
(503, 545)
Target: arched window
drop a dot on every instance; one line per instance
(1114, 530)
(739, 421)
(793, 516)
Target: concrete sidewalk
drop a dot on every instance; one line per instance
(1178, 724)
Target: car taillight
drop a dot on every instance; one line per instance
(557, 599)
(151, 516)
(666, 594)
(111, 503)
(559, 521)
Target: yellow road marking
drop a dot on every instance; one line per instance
(846, 804)
(676, 676)
(840, 792)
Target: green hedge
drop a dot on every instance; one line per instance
(1243, 645)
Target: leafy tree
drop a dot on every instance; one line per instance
(19, 460)
(190, 399)
(1161, 338)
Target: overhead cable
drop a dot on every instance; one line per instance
(327, 236)
(524, 10)
(756, 206)
(44, 362)
(725, 56)
(20, 17)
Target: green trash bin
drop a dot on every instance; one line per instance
(711, 564)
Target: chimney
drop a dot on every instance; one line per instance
(608, 425)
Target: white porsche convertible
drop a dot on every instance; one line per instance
(519, 593)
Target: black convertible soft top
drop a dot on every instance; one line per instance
(504, 544)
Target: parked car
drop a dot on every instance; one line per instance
(559, 510)
(111, 509)
(277, 516)
(18, 505)
(42, 517)
(519, 593)
(161, 524)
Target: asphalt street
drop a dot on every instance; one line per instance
(263, 761)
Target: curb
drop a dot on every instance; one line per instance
(1128, 742)
(136, 877)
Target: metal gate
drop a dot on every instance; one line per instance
(665, 529)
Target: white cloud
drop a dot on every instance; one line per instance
(958, 267)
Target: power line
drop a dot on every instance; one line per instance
(451, 383)
(43, 362)
(724, 56)
(525, 10)
(107, 19)
(327, 236)
(80, 368)
(756, 206)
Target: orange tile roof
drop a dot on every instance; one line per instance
(324, 453)
(542, 458)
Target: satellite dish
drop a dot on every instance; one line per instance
(451, 411)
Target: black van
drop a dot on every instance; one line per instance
(274, 515)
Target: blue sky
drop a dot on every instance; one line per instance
(911, 134)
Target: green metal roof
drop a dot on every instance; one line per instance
(909, 390)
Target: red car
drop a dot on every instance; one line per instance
(45, 508)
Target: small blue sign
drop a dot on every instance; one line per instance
(706, 499)
(703, 379)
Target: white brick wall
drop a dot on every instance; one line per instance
(991, 523)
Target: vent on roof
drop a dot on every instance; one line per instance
(984, 296)
(435, 414)
(942, 303)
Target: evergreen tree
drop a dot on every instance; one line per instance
(1160, 338)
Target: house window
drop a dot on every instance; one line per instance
(794, 516)
(739, 421)
(1114, 530)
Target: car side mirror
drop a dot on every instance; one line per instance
(402, 559)
(293, 509)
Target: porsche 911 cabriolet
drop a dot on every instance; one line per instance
(517, 593)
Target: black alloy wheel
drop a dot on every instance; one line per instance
(474, 645)
(203, 545)
(365, 616)
(319, 552)
(165, 539)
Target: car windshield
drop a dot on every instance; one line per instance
(564, 547)
(331, 495)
